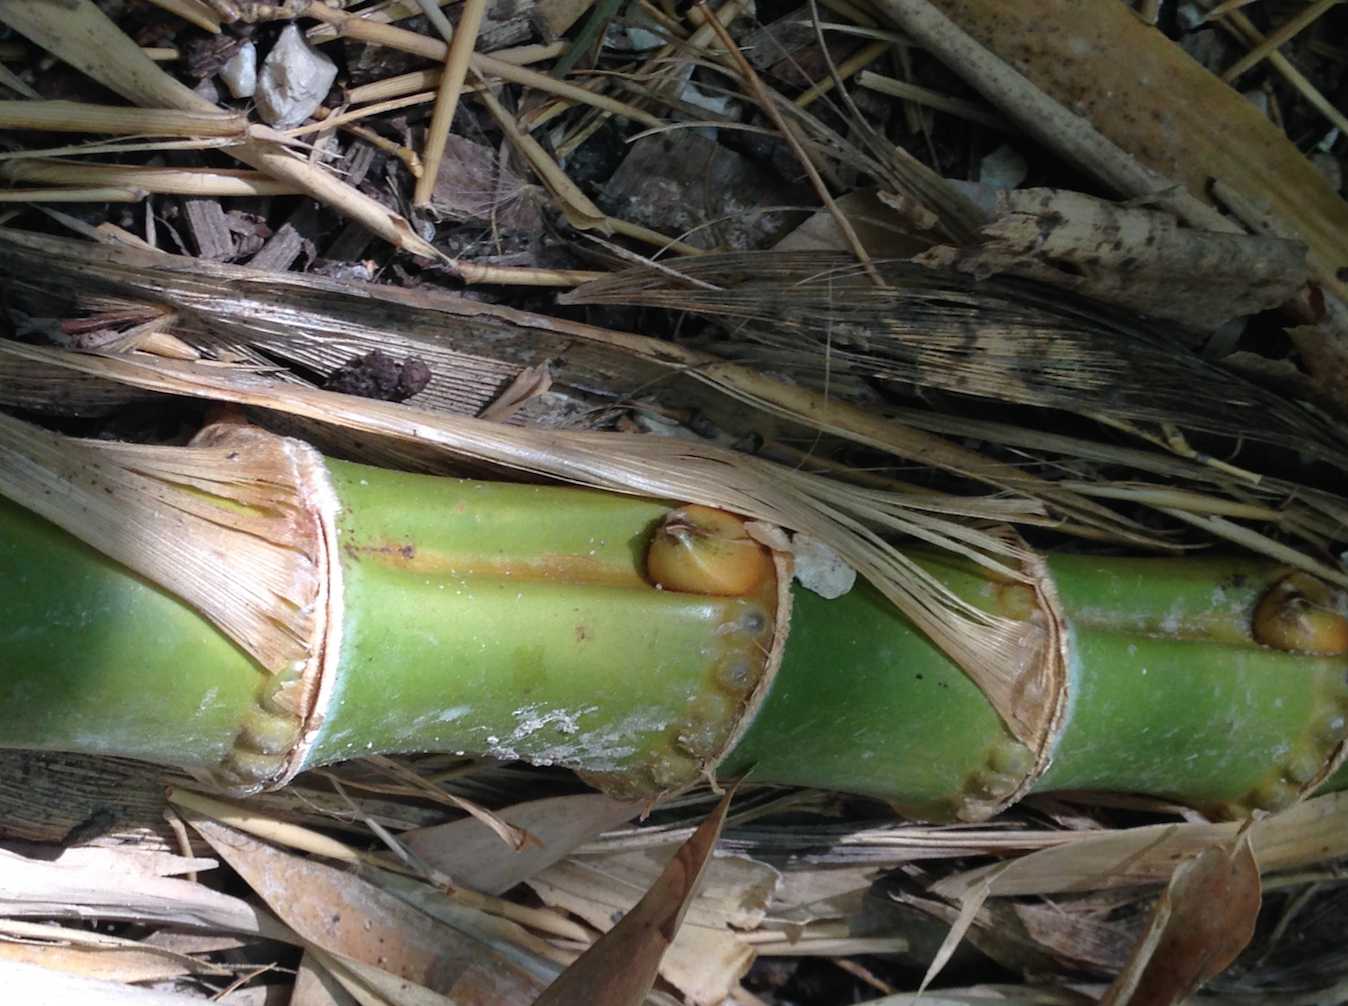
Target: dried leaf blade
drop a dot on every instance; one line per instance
(1205, 917)
(620, 967)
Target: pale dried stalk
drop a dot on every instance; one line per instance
(364, 112)
(580, 212)
(514, 838)
(416, 82)
(846, 69)
(1179, 499)
(54, 936)
(582, 133)
(1043, 117)
(108, 233)
(850, 11)
(65, 30)
(1279, 37)
(447, 98)
(539, 117)
(1225, 7)
(1220, 527)
(484, 65)
(667, 74)
(73, 195)
(706, 33)
(193, 11)
(79, 33)
(1239, 24)
(650, 236)
(15, 83)
(174, 181)
(577, 207)
(115, 147)
(433, 13)
(422, 80)
(383, 13)
(81, 117)
(405, 154)
(933, 99)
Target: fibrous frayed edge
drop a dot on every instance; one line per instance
(240, 526)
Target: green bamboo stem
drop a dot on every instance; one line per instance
(96, 659)
(519, 622)
(515, 621)
(1170, 696)
(502, 620)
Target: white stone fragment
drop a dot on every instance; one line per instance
(641, 40)
(240, 73)
(717, 104)
(1191, 16)
(821, 569)
(1004, 168)
(294, 80)
(207, 88)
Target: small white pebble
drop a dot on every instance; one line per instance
(1004, 168)
(294, 80)
(820, 569)
(240, 73)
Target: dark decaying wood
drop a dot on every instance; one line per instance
(69, 799)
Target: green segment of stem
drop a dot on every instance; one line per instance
(1170, 696)
(1174, 697)
(93, 658)
(519, 622)
(863, 696)
(514, 621)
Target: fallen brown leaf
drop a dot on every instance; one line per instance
(470, 852)
(348, 917)
(705, 962)
(315, 985)
(619, 968)
(1203, 920)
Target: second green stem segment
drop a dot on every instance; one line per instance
(522, 622)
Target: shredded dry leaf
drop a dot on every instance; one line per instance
(1205, 917)
(809, 314)
(473, 853)
(620, 967)
(1308, 832)
(347, 917)
(228, 528)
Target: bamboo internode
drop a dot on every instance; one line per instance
(623, 637)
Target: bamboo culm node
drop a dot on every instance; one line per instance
(645, 644)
